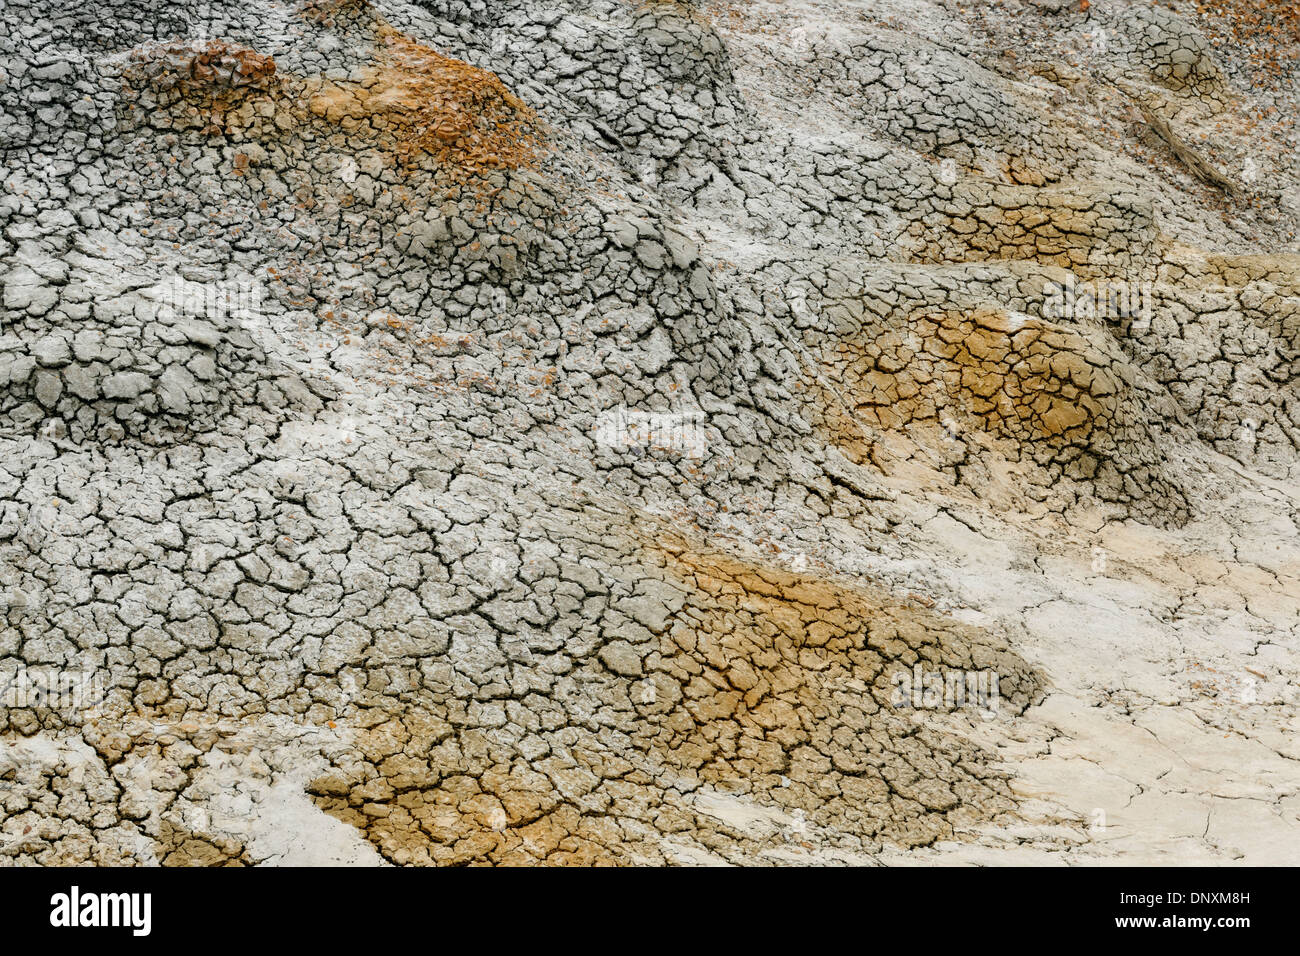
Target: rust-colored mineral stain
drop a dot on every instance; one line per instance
(410, 100)
(464, 117)
(217, 80)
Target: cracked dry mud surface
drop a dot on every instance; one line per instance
(476, 431)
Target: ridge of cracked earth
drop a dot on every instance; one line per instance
(630, 393)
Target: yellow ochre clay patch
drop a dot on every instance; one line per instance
(972, 387)
(1013, 376)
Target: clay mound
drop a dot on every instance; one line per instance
(970, 367)
(413, 102)
(98, 354)
(1046, 392)
(427, 104)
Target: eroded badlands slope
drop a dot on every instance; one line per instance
(615, 432)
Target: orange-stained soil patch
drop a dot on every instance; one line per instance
(1021, 379)
(214, 86)
(409, 101)
(463, 116)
